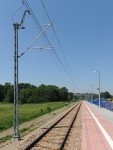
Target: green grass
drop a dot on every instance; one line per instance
(5, 138)
(27, 112)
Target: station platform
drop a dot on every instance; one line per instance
(97, 128)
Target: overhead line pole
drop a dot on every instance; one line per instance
(17, 26)
(16, 130)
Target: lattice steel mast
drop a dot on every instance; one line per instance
(16, 27)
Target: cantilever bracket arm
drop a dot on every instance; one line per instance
(23, 18)
(29, 46)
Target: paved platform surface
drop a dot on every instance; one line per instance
(97, 131)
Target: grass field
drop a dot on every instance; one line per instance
(26, 112)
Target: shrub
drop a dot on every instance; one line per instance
(49, 109)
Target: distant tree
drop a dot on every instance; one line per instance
(105, 95)
(26, 86)
(8, 92)
(7, 87)
(52, 93)
(25, 94)
(29, 95)
(70, 96)
(9, 95)
(63, 94)
(95, 96)
(2, 94)
(41, 92)
(76, 98)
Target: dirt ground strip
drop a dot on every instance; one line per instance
(36, 125)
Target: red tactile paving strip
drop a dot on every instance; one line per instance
(92, 137)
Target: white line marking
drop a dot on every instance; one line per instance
(107, 137)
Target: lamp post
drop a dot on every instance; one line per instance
(99, 84)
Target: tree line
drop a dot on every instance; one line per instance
(31, 94)
(44, 93)
(103, 95)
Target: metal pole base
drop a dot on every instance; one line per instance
(16, 137)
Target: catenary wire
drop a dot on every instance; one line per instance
(35, 20)
(57, 39)
(16, 13)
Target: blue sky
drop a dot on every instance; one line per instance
(85, 31)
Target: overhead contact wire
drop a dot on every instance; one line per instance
(57, 39)
(35, 20)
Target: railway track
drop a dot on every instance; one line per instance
(55, 137)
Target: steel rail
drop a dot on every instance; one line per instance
(43, 134)
(67, 134)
